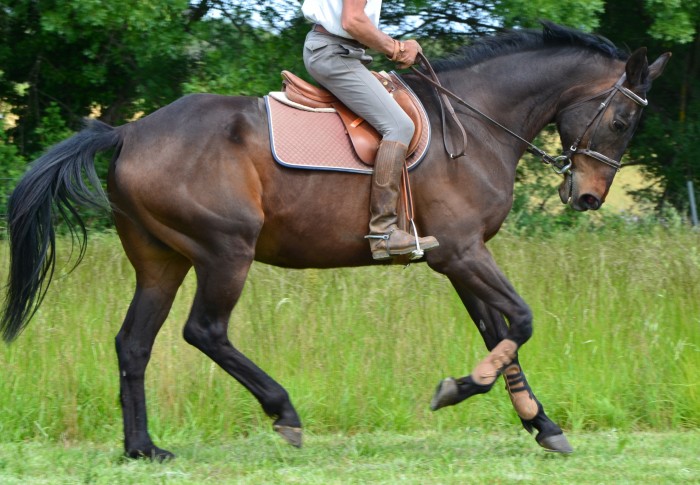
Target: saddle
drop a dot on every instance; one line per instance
(365, 139)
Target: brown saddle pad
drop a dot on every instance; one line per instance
(302, 137)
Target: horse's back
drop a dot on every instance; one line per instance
(196, 118)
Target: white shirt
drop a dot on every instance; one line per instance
(329, 13)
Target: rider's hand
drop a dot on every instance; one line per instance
(406, 53)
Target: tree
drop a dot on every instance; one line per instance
(242, 50)
(666, 142)
(582, 15)
(89, 55)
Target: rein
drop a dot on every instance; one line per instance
(561, 164)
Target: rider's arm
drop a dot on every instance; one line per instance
(356, 23)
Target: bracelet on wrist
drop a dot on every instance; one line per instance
(395, 50)
(399, 48)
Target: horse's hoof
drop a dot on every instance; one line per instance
(556, 443)
(291, 435)
(452, 391)
(446, 394)
(153, 454)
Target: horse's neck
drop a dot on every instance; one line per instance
(522, 91)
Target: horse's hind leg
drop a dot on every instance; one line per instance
(493, 329)
(220, 280)
(159, 273)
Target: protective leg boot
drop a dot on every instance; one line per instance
(385, 238)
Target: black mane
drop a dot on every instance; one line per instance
(552, 35)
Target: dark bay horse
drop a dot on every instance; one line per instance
(194, 185)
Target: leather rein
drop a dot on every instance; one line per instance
(561, 164)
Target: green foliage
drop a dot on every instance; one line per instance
(674, 20)
(10, 168)
(52, 128)
(674, 161)
(10, 158)
(666, 142)
(583, 15)
(121, 56)
(243, 60)
(538, 211)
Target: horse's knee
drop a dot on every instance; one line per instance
(520, 329)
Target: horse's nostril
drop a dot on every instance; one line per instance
(590, 201)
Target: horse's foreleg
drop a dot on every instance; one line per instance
(219, 286)
(156, 288)
(474, 270)
(489, 296)
(493, 329)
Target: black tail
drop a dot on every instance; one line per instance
(53, 183)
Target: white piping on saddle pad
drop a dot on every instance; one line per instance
(281, 96)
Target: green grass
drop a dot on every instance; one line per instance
(449, 457)
(616, 346)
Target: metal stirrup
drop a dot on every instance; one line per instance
(418, 252)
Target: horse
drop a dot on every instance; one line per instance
(194, 185)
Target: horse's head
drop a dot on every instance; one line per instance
(595, 131)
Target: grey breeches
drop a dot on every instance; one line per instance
(339, 65)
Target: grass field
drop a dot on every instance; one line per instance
(450, 457)
(616, 347)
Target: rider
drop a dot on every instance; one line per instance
(334, 55)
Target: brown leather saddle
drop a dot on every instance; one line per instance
(365, 139)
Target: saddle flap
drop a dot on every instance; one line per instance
(365, 139)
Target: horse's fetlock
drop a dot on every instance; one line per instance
(278, 405)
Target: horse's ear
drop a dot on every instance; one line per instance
(658, 65)
(637, 68)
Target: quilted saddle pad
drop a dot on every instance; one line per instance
(315, 140)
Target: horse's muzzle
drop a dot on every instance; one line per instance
(588, 202)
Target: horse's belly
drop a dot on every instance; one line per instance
(315, 220)
(326, 242)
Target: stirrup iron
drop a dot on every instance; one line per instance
(418, 252)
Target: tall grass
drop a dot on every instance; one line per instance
(616, 345)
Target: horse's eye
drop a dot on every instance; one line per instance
(618, 125)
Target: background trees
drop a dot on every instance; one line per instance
(63, 60)
(668, 143)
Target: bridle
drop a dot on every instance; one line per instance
(562, 164)
(597, 118)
